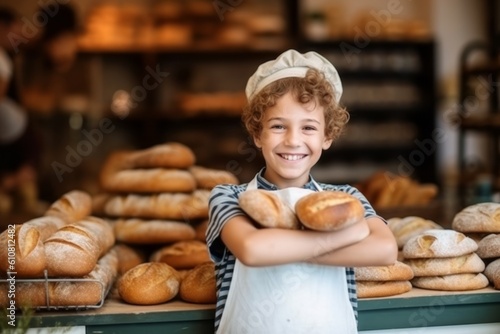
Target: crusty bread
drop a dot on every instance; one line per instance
(208, 178)
(267, 209)
(66, 293)
(489, 247)
(329, 210)
(140, 231)
(468, 263)
(128, 257)
(492, 272)
(172, 206)
(398, 271)
(199, 284)
(458, 282)
(373, 289)
(149, 283)
(438, 243)
(71, 207)
(30, 260)
(407, 227)
(478, 218)
(74, 250)
(182, 254)
(167, 155)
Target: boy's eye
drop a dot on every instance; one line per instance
(309, 128)
(277, 126)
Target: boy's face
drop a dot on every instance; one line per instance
(292, 140)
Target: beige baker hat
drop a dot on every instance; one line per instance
(292, 63)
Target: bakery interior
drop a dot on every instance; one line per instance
(419, 79)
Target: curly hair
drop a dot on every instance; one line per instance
(312, 88)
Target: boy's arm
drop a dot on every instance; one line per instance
(378, 249)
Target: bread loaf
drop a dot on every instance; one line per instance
(149, 283)
(71, 207)
(398, 271)
(30, 260)
(373, 289)
(208, 178)
(478, 218)
(139, 231)
(469, 263)
(167, 155)
(199, 285)
(406, 228)
(267, 209)
(438, 243)
(182, 254)
(492, 272)
(489, 247)
(128, 257)
(329, 210)
(458, 282)
(73, 250)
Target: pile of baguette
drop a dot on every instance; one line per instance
(66, 243)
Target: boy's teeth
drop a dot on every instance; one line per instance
(291, 157)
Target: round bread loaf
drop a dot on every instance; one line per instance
(478, 218)
(149, 283)
(141, 231)
(492, 272)
(208, 178)
(458, 282)
(469, 263)
(267, 209)
(406, 228)
(438, 243)
(373, 289)
(329, 210)
(185, 254)
(489, 247)
(398, 271)
(199, 285)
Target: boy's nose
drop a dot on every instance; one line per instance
(292, 138)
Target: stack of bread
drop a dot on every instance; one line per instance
(64, 244)
(482, 223)
(157, 199)
(383, 281)
(444, 259)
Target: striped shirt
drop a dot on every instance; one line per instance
(223, 205)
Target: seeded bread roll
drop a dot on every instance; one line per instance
(183, 254)
(373, 289)
(149, 284)
(71, 207)
(478, 218)
(199, 285)
(155, 231)
(492, 272)
(329, 210)
(469, 263)
(267, 209)
(438, 243)
(489, 247)
(399, 271)
(458, 282)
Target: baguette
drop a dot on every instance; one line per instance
(71, 207)
(139, 231)
(74, 250)
(207, 178)
(167, 155)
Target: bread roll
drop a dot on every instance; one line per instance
(139, 231)
(71, 207)
(267, 209)
(438, 243)
(208, 178)
(199, 285)
(149, 283)
(329, 210)
(373, 289)
(489, 247)
(458, 282)
(406, 228)
(398, 271)
(469, 263)
(73, 250)
(478, 218)
(492, 272)
(128, 257)
(182, 254)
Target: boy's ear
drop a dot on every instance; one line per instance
(327, 143)
(257, 142)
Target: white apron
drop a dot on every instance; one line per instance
(292, 298)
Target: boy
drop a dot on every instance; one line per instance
(291, 281)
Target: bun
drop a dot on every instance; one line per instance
(492, 272)
(489, 247)
(478, 218)
(267, 209)
(207, 178)
(329, 210)
(469, 263)
(199, 285)
(71, 207)
(399, 271)
(373, 289)
(458, 282)
(406, 228)
(149, 284)
(139, 231)
(183, 254)
(438, 243)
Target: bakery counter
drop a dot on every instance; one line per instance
(411, 312)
